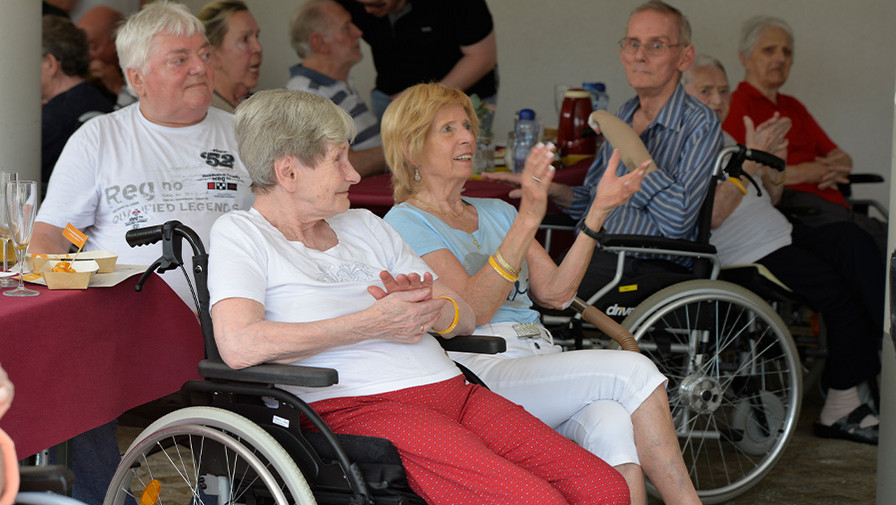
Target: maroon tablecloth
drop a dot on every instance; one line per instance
(375, 193)
(80, 358)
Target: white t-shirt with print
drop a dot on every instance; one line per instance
(249, 258)
(120, 171)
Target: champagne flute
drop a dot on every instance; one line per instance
(5, 177)
(21, 208)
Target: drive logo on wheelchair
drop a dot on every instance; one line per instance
(616, 311)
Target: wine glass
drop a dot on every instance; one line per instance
(5, 177)
(21, 207)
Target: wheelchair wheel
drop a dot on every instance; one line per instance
(735, 380)
(203, 455)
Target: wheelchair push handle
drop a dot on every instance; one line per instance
(144, 236)
(736, 156)
(767, 159)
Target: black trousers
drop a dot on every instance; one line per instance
(838, 270)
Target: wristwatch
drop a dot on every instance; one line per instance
(596, 235)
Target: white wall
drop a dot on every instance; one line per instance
(843, 70)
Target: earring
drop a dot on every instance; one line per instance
(416, 174)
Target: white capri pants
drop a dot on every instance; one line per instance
(588, 396)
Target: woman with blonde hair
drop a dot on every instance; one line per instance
(612, 403)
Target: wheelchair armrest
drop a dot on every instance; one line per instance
(53, 478)
(653, 242)
(474, 343)
(864, 178)
(270, 373)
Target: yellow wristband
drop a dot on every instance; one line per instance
(505, 265)
(456, 316)
(494, 264)
(738, 184)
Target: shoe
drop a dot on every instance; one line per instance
(847, 427)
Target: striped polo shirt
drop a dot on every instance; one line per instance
(683, 140)
(345, 96)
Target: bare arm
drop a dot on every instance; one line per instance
(246, 338)
(550, 285)
(368, 161)
(477, 60)
(48, 239)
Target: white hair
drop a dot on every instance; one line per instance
(754, 27)
(134, 39)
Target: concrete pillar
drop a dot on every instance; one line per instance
(886, 454)
(20, 56)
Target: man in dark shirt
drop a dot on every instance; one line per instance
(452, 43)
(69, 99)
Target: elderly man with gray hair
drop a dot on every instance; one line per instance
(168, 156)
(815, 164)
(323, 35)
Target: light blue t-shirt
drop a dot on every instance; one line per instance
(427, 233)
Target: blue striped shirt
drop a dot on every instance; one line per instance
(684, 140)
(345, 96)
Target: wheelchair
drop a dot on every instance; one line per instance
(237, 437)
(735, 379)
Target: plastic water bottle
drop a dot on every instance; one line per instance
(600, 100)
(526, 133)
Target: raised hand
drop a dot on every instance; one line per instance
(535, 181)
(768, 136)
(612, 190)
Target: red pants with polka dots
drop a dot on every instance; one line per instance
(462, 444)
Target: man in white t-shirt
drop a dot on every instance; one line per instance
(323, 35)
(169, 156)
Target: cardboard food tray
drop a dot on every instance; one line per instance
(105, 259)
(121, 273)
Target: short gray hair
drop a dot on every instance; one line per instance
(701, 61)
(134, 39)
(308, 18)
(684, 26)
(275, 123)
(754, 27)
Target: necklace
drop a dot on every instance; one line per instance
(455, 216)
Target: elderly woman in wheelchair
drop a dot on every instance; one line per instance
(835, 268)
(613, 403)
(301, 279)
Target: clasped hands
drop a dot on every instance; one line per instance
(406, 303)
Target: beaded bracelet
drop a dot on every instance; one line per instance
(494, 264)
(456, 316)
(505, 264)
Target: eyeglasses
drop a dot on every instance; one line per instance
(372, 5)
(653, 48)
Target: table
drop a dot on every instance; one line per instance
(375, 193)
(80, 358)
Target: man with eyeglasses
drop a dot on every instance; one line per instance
(452, 43)
(682, 135)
